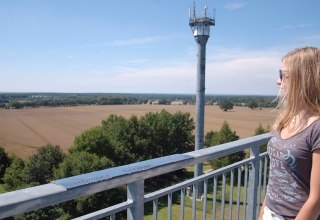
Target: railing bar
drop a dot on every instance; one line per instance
(107, 211)
(214, 198)
(239, 192)
(194, 201)
(245, 192)
(169, 206)
(113, 217)
(155, 209)
(259, 188)
(222, 150)
(263, 155)
(253, 182)
(182, 203)
(135, 192)
(265, 175)
(223, 192)
(179, 186)
(204, 201)
(231, 195)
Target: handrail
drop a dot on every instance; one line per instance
(24, 200)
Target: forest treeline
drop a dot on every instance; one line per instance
(116, 141)
(34, 100)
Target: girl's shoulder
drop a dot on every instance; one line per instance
(312, 126)
(313, 120)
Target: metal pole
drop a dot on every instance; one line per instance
(201, 41)
(135, 192)
(254, 182)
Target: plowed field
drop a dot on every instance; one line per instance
(23, 131)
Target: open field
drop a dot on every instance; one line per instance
(23, 131)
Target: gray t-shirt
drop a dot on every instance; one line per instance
(290, 168)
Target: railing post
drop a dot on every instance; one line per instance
(135, 192)
(253, 182)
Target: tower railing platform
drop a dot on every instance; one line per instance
(201, 19)
(225, 197)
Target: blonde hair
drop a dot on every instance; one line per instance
(303, 93)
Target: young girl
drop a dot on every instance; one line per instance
(293, 190)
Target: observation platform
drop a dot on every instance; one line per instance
(241, 202)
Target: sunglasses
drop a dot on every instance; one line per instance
(282, 74)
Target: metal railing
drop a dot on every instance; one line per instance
(244, 197)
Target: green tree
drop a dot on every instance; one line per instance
(126, 141)
(93, 140)
(210, 138)
(135, 139)
(226, 105)
(75, 164)
(14, 177)
(261, 130)
(39, 168)
(224, 135)
(167, 133)
(4, 163)
(118, 139)
(81, 162)
(253, 104)
(49, 213)
(16, 104)
(126, 144)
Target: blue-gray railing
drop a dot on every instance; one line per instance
(243, 204)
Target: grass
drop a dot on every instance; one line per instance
(2, 189)
(163, 209)
(206, 167)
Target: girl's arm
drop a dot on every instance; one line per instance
(262, 208)
(311, 209)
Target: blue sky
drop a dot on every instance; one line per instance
(146, 46)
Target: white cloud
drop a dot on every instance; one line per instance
(235, 5)
(136, 61)
(125, 42)
(174, 79)
(101, 44)
(135, 41)
(242, 72)
(228, 71)
(295, 26)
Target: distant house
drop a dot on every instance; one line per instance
(178, 102)
(155, 102)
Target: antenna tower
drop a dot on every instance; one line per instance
(200, 26)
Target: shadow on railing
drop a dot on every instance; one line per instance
(251, 175)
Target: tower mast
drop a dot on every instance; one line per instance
(200, 26)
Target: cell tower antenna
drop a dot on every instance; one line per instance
(194, 9)
(200, 26)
